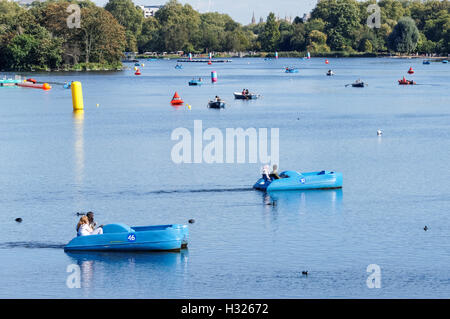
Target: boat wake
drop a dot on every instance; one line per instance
(30, 244)
(204, 190)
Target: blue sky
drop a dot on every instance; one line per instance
(242, 10)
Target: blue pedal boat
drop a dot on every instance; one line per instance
(195, 82)
(121, 237)
(291, 70)
(292, 180)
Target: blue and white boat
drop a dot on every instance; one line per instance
(121, 237)
(426, 62)
(292, 180)
(195, 82)
(291, 70)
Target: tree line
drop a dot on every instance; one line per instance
(38, 37)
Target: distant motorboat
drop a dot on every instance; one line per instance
(330, 73)
(426, 62)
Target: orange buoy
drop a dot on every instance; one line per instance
(137, 72)
(44, 86)
(209, 62)
(176, 100)
(410, 71)
(326, 61)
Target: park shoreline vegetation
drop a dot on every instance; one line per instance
(38, 37)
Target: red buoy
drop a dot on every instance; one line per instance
(410, 71)
(326, 61)
(176, 100)
(137, 72)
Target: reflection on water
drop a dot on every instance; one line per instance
(127, 265)
(305, 201)
(78, 119)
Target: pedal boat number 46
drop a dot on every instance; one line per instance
(121, 237)
(292, 180)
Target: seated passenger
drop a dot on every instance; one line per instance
(274, 174)
(265, 173)
(84, 229)
(92, 223)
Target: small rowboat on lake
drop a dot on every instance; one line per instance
(357, 84)
(121, 237)
(249, 96)
(292, 180)
(406, 82)
(216, 104)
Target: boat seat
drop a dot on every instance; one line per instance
(117, 228)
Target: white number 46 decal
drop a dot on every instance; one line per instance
(131, 237)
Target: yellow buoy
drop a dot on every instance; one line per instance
(77, 96)
(189, 106)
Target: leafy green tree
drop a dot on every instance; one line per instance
(424, 45)
(342, 18)
(317, 42)
(102, 38)
(404, 37)
(130, 17)
(149, 39)
(179, 27)
(271, 35)
(315, 24)
(298, 39)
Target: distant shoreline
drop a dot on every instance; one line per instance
(175, 58)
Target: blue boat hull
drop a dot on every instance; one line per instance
(292, 180)
(120, 237)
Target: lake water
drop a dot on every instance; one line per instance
(115, 159)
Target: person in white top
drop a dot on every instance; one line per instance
(84, 229)
(265, 173)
